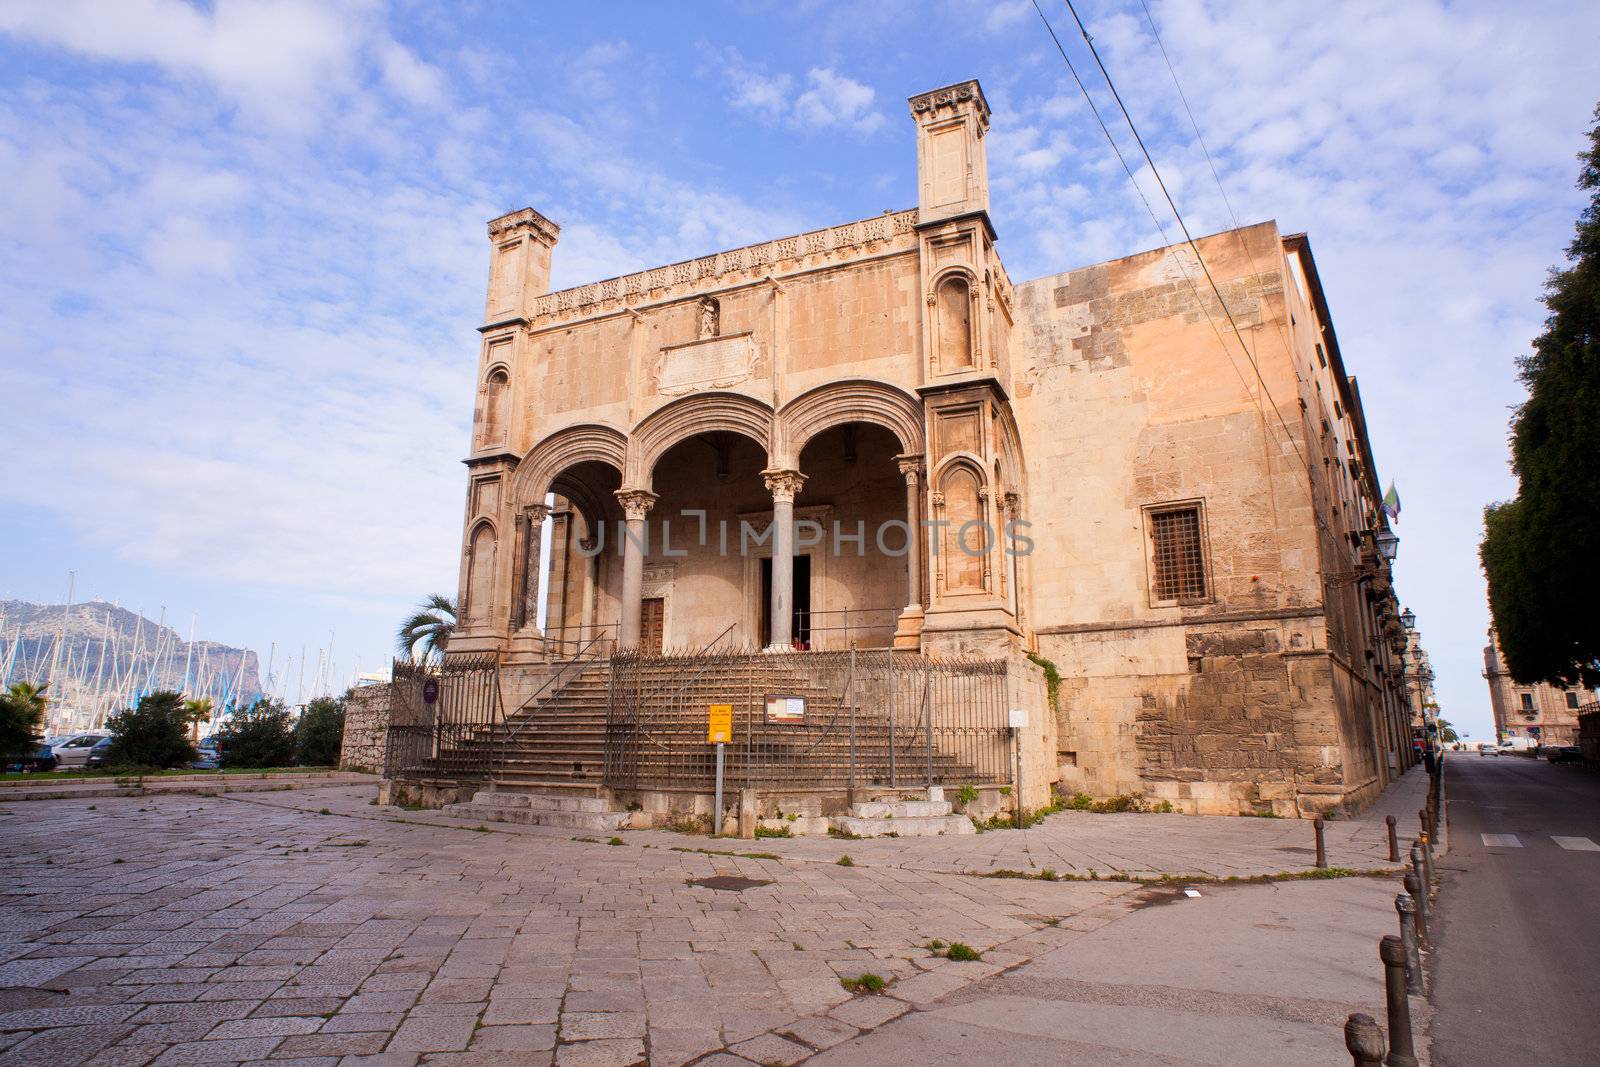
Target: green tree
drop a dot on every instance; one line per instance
(259, 736)
(22, 710)
(1538, 549)
(427, 630)
(154, 733)
(319, 733)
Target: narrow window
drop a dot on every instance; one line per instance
(1177, 554)
(1527, 701)
(1572, 700)
(1322, 357)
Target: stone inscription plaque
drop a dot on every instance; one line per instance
(714, 363)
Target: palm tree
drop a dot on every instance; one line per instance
(197, 712)
(430, 626)
(22, 710)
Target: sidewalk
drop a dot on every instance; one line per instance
(44, 787)
(1071, 843)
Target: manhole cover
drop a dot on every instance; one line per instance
(733, 883)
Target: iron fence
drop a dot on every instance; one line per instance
(444, 718)
(807, 720)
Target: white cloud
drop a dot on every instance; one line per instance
(835, 100)
(828, 100)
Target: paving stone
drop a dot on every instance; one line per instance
(321, 1044)
(210, 1052)
(271, 1026)
(821, 1031)
(867, 1012)
(504, 1011)
(514, 1038)
(361, 1022)
(607, 1053)
(771, 1049)
(591, 1025)
(433, 1033)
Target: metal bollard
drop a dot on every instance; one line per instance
(1413, 886)
(1363, 1039)
(1402, 1052)
(1394, 840)
(1317, 827)
(1422, 820)
(1428, 878)
(1407, 910)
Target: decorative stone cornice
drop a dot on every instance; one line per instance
(783, 484)
(951, 98)
(526, 219)
(636, 503)
(750, 264)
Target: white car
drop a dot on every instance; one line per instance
(1488, 750)
(73, 749)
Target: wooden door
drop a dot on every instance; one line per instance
(652, 623)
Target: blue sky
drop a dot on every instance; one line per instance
(244, 245)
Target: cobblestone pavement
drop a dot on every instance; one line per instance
(189, 930)
(312, 927)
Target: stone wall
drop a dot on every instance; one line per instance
(366, 728)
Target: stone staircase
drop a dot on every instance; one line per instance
(556, 747)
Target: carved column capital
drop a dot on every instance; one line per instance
(783, 484)
(636, 503)
(537, 512)
(911, 468)
(1013, 503)
(936, 499)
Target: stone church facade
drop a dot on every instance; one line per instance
(868, 435)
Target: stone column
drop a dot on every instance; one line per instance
(783, 485)
(533, 517)
(636, 504)
(909, 628)
(1012, 512)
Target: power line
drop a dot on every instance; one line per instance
(1161, 229)
(1178, 215)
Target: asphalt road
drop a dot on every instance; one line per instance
(1516, 978)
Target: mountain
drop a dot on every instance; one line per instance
(100, 658)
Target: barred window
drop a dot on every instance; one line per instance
(1178, 558)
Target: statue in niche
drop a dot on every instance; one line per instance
(710, 318)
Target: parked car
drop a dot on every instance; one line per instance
(41, 759)
(207, 757)
(1564, 754)
(97, 754)
(72, 750)
(1488, 750)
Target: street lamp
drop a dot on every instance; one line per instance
(1408, 619)
(1388, 544)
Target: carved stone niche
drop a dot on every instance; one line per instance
(710, 363)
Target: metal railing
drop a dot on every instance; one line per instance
(439, 713)
(807, 720)
(840, 628)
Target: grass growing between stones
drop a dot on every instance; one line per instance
(867, 983)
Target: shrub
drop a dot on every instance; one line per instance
(845, 861)
(259, 736)
(1081, 802)
(21, 714)
(319, 733)
(966, 795)
(781, 831)
(154, 733)
(962, 953)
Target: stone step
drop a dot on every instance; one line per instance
(900, 809)
(596, 821)
(916, 826)
(538, 801)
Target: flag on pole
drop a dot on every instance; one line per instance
(1391, 503)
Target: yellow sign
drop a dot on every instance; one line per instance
(719, 730)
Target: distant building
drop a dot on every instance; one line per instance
(1526, 715)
